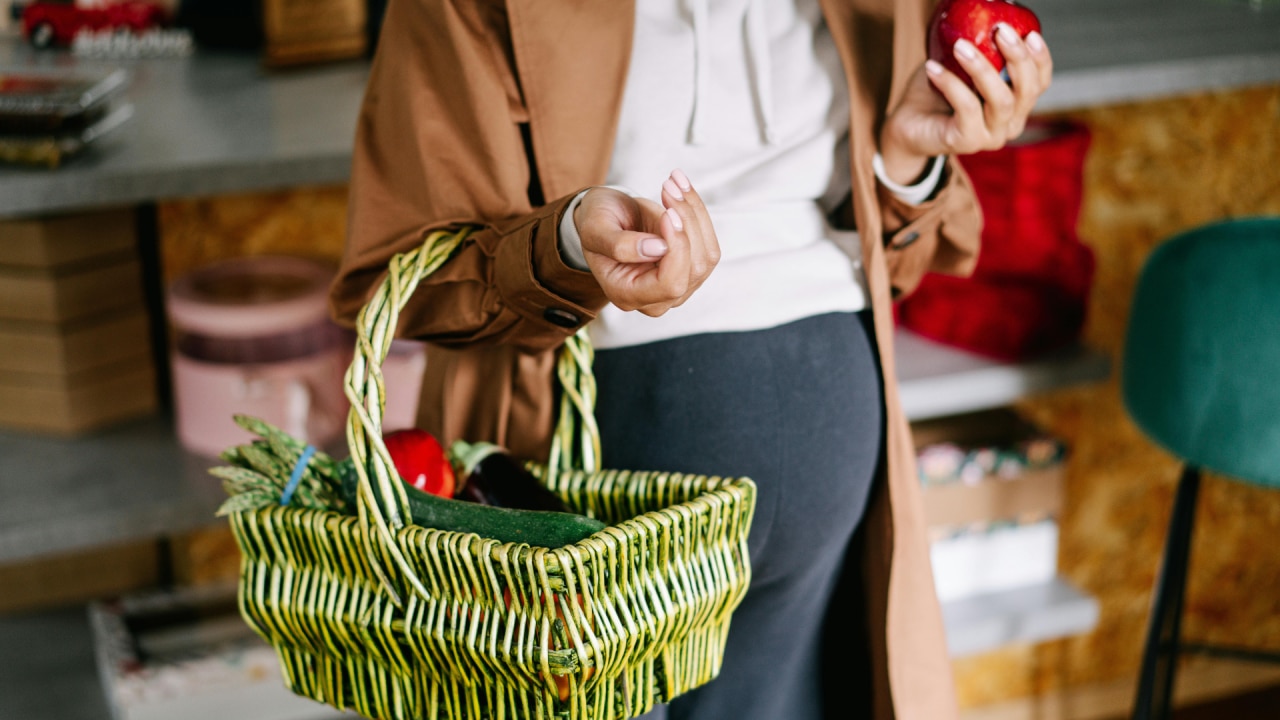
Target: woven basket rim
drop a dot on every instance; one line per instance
(727, 488)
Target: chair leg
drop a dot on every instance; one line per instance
(1160, 652)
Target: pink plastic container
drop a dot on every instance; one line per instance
(252, 336)
(402, 371)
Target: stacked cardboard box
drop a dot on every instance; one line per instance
(993, 492)
(75, 341)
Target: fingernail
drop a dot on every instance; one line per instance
(1008, 33)
(1035, 41)
(933, 67)
(670, 186)
(681, 179)
(653, 247)
(674, 217)
(966, 50)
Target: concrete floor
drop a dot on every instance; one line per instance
(47, 672)
(47, 669)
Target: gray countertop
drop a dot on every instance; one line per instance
(217, 123)
(205, 125)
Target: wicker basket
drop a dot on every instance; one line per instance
(398, 621)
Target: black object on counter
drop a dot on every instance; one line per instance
(222, 24)
(48, 116)
(51, 102)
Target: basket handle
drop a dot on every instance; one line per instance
(575, 445)
(382, 503)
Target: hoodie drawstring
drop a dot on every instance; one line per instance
(756, 32)
(761, 66)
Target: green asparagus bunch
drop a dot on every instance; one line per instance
(260, 470)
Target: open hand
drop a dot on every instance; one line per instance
(954, 120)
(648, 257)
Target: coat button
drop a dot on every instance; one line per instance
(563, 318)
(905, 240)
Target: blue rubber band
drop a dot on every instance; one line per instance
(296, 477)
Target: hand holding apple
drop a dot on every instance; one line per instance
(942, 112)
(976, 21)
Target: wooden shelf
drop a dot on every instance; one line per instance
(936, 380)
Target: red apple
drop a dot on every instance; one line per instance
(421, 461)
(975, 21)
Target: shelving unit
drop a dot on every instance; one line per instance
(935, 381)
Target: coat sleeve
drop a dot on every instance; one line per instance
(440, 144)
(943, 234)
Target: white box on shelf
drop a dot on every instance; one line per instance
(1000, 557)
(189, 655)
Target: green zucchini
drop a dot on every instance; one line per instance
(542, 528)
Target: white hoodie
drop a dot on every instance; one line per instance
(749, 98)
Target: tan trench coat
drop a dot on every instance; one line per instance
(477, 110)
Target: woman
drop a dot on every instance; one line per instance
(801, 150)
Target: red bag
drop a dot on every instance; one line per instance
(1028, 293)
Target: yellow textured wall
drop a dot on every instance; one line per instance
(310, 222)
(1154, 169)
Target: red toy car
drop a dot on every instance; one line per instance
(56, 22)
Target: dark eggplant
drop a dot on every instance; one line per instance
(493, 477)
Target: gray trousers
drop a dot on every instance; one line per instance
(799, 410)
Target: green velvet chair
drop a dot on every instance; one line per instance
(1201, 378)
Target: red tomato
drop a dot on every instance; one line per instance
(421, 461)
